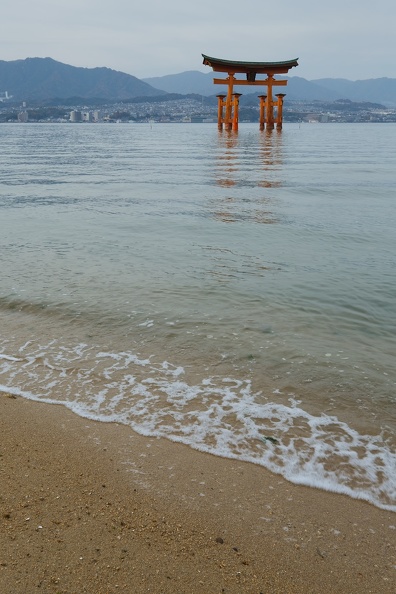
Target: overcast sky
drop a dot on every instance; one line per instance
(338, 39)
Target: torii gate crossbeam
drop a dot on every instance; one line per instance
(228, 104)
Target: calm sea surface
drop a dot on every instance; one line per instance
(236, 293)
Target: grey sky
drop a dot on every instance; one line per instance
(339, 39)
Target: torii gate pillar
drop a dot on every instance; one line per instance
(220, 107)
(279, 116)
(231, 116)
(228, 105)
(262, 111)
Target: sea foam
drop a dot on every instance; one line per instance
(222, 416)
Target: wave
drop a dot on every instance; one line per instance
(223, 416)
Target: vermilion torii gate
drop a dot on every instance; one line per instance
(228, 105)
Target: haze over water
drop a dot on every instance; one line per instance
(236, 293)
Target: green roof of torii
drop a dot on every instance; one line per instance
(220, 65)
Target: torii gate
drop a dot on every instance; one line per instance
(228, 104)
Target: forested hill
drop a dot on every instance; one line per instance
(45, 78)
(377, 90)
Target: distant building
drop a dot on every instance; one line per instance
(75, 116)
(4, 96)
(86, 116)
(23, 117)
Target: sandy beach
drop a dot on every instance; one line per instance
(93, 507)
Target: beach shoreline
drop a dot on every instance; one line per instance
(93, 507)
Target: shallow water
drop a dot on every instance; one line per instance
(236, 293)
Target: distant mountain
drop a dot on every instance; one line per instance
(44, 78)
(192, 81)
(201, 83)
(379, 90)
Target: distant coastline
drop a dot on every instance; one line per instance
(44, 90)
(192, 109)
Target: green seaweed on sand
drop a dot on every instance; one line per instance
(266, 438)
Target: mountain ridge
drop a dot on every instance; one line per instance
(41, 79)
(378, 90)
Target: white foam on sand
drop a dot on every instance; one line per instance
(223, 416)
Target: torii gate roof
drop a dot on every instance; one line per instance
(220, 65)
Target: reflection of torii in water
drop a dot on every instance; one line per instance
(229, 116)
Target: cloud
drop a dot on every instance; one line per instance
(154, 38)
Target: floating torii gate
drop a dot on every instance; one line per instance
(228, 105)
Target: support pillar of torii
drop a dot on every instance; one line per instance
(227, 114)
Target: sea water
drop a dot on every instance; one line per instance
(235, 292)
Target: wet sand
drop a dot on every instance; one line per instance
(93, 507)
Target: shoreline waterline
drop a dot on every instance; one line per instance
(325, 483)
(103, 502)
